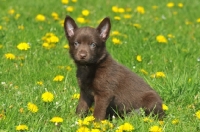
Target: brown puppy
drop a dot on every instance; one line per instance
(109, 85)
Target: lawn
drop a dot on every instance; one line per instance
(158, 40)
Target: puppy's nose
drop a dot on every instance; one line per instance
(83, 55)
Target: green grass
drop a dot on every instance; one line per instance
(178, 59)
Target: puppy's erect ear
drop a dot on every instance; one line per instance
(104, 28)
(69, 26)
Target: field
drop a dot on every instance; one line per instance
(158, 40)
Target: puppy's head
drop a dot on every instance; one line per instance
(87, 45)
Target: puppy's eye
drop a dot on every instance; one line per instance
(76, 44)
(93, 45)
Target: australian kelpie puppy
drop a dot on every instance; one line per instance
(109, 85)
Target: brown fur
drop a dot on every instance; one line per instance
(104, 82)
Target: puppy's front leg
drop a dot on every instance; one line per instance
(100, 107)
(85, 102)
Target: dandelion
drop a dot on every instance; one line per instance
(175, 121)
(197, 114)
(198, 20)
(160, 74)
(68, 68)
(180, 5)
(170, 4)
(66, 46)
(10, 56)
(116, 41)
(127, 16)
(1, 27)
(85, 12)
(17, 16)
(144, 71)
(83, 129)
(32, 107)
(11, 11)
(146, 119)
(21, 27)
(155, 129)
(121, 10)
(115, 33)
(125, 127)
(23, 46)
(165, 107)
(137, 25)
(40, 83)
(95, 130)
(70, 9)
(115, 9)
(76, 96)
(21, 110)
(74, 1)
(140, 10)
(21, 127)
(47, 97)
(40, 17)
(86, 120)
(81, 20)
(56, 119)
(170, 36)
(139, 58)
(58, 78)
(117, 18)
(55, 16)
(161, 39)
(2, 116)
(64, 1)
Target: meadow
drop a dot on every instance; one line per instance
(158, 40)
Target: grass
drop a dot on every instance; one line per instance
(30, 74)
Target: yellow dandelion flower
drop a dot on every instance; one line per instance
(70, 9)
(197, 114)
(66, 46)
(1, 27)
(40, 17)
(17, 16)
(21, 127)
(155, 129)
(198, 20)
(164, 107)
(55, 15)
(116, 41)
(127, 16)
(74, 1)
(95, 130)
(86, 120)
(121, 10)
(40, 83)
(160, 74)
(155, 7)
(125, 127)
(83, 129)
(175, 121)
(85, 12)
(56, 119)
(128, 9)
(115, 9)
(180, 5)
(140, 10)
(32, 107)
(2, 116)
(68, 68)
(117, 18)
(58, 78)
(170, 36)
(115, 33)
(137, 25)
(11, 11)
(21, 27)
(64, 1)
(146, 119)
(10, 56)
(23, 46)
(46, 45)
(161, 39)
(47, 97)
(161, 122)
(170, 4)
(139, 58)
(76, 96)
(81, 20)
(144, 71)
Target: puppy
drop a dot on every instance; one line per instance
(112, 88)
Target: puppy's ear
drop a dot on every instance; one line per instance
(69, 26)
(104, 28)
